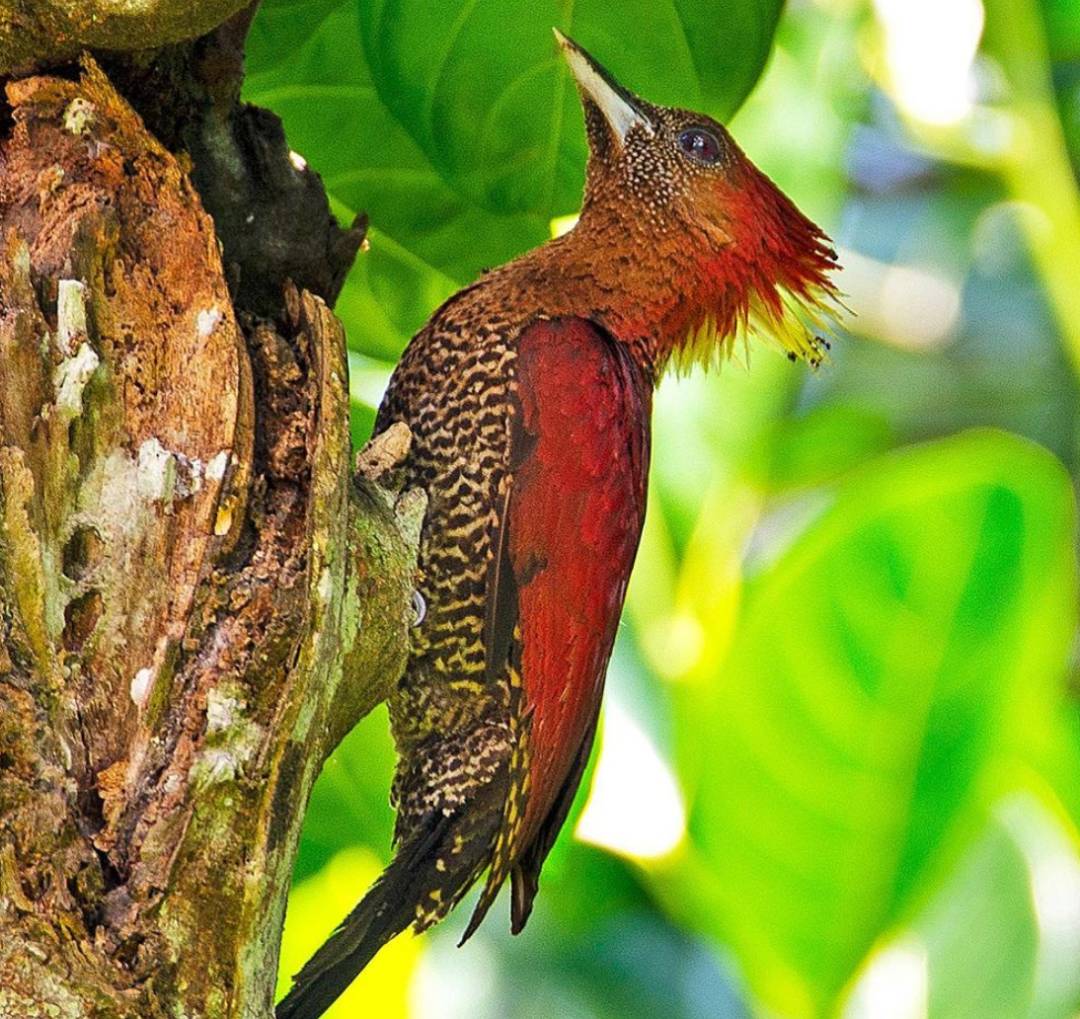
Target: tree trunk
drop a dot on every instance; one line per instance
(197, 596)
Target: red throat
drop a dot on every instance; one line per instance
(695, 294)
(772, 281)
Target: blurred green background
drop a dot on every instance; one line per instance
(839, 773)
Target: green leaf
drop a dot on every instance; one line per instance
(981, 934)
(819, 446)
(456, 126)
(998, 938)
(973, 951)
(1062, 20)
(350, 803)
(481, 88)
(912, 636)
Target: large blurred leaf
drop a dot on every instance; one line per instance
(481, 89)
(454, 124)
(1062, 19)
(981, 935)
(972, 952)
(912, 636)
(998, 939)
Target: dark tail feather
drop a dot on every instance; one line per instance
(387, 909)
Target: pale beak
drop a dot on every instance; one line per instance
(619, 106)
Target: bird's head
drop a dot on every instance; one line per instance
(715, 250)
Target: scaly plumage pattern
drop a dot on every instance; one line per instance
(528, 395)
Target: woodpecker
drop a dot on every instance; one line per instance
(528, 395)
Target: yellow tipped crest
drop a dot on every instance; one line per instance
(800, 325)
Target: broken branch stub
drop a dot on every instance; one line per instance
(196, 596)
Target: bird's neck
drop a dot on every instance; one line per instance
(683, 291)
(640, 281)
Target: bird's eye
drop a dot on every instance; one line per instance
(700, 145)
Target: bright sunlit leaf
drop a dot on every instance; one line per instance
(879, 668)
(894, 984)
(970, 952)
(316, 906)
(635, 807)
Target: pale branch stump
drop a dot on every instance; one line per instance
(198, 597)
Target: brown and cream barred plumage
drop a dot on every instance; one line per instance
(452, 721)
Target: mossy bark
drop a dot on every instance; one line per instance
(198, 595)
(44, 32)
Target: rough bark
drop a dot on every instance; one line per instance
(42, 32)
(197, 596)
